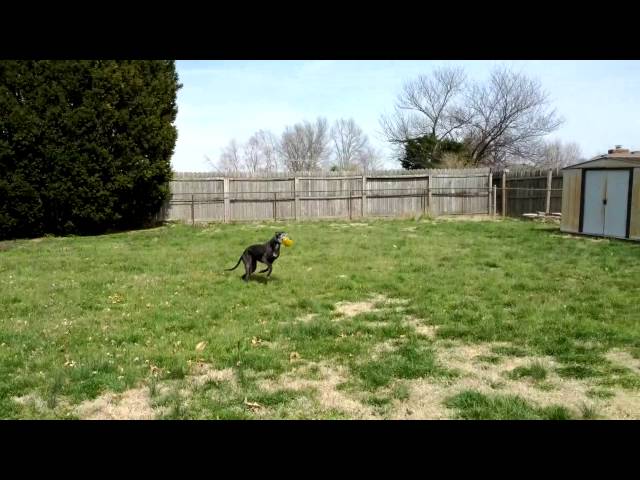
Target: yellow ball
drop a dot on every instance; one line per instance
(287, 242)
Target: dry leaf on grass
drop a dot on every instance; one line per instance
(252, 405)
(201, 346)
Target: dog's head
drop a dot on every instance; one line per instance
(280, 236)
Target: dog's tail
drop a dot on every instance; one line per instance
(229, 269)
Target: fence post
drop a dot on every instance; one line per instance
(363, 196)
(350, 215)
(429, 199)
(549, 180)
(489, 192)
(495, 198)
(504, 193)
(275, 206)
(424, 201)
(227, 201)
(296, 202)
(193, 220)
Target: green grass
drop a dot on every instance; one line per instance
(473, 405)
(491, 359)
(535, 371)
(509, 351)
(81, 316)
(600, 393)
(410, 361)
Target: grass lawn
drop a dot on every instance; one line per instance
(379, 319)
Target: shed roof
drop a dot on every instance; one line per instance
(610, 160)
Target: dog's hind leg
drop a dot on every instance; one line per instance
(254, 265)
(249, 267)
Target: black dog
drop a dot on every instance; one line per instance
(266, 253)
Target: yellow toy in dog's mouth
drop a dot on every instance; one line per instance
(287, 242)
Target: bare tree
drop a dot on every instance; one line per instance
(293, 148)
(305, 146)
(369, 159)
(556, 154)
(317, 139)
(268, 147)
(348, 143)
(230, 159)
(506, 117)
(427, 106)
(211, 163)
(252, 156)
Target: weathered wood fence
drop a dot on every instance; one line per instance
(201, 197)
(524, 190)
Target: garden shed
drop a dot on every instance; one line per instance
(602, 196)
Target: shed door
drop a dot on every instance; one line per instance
(615, 211)
(595, 184)
(606, 202)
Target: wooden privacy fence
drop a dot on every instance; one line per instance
(522, 190)
(201, 197)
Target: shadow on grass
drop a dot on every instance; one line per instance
(262, 279)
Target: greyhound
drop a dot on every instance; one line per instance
(266, 253)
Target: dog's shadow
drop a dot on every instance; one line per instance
(262, 279)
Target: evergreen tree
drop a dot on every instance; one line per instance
(85, 146)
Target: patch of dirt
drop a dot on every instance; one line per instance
(307, 318)
(133, 404)
(32, 400)
(426, 396)
(326, 388)
(425, 402)
(428, 331)
(467, 218)
(351, 309)
(381, 348)
(590, 344)
(136, 403)
(347, 225)
(624, 359)
(203, 373)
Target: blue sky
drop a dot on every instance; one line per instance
(221, 100)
